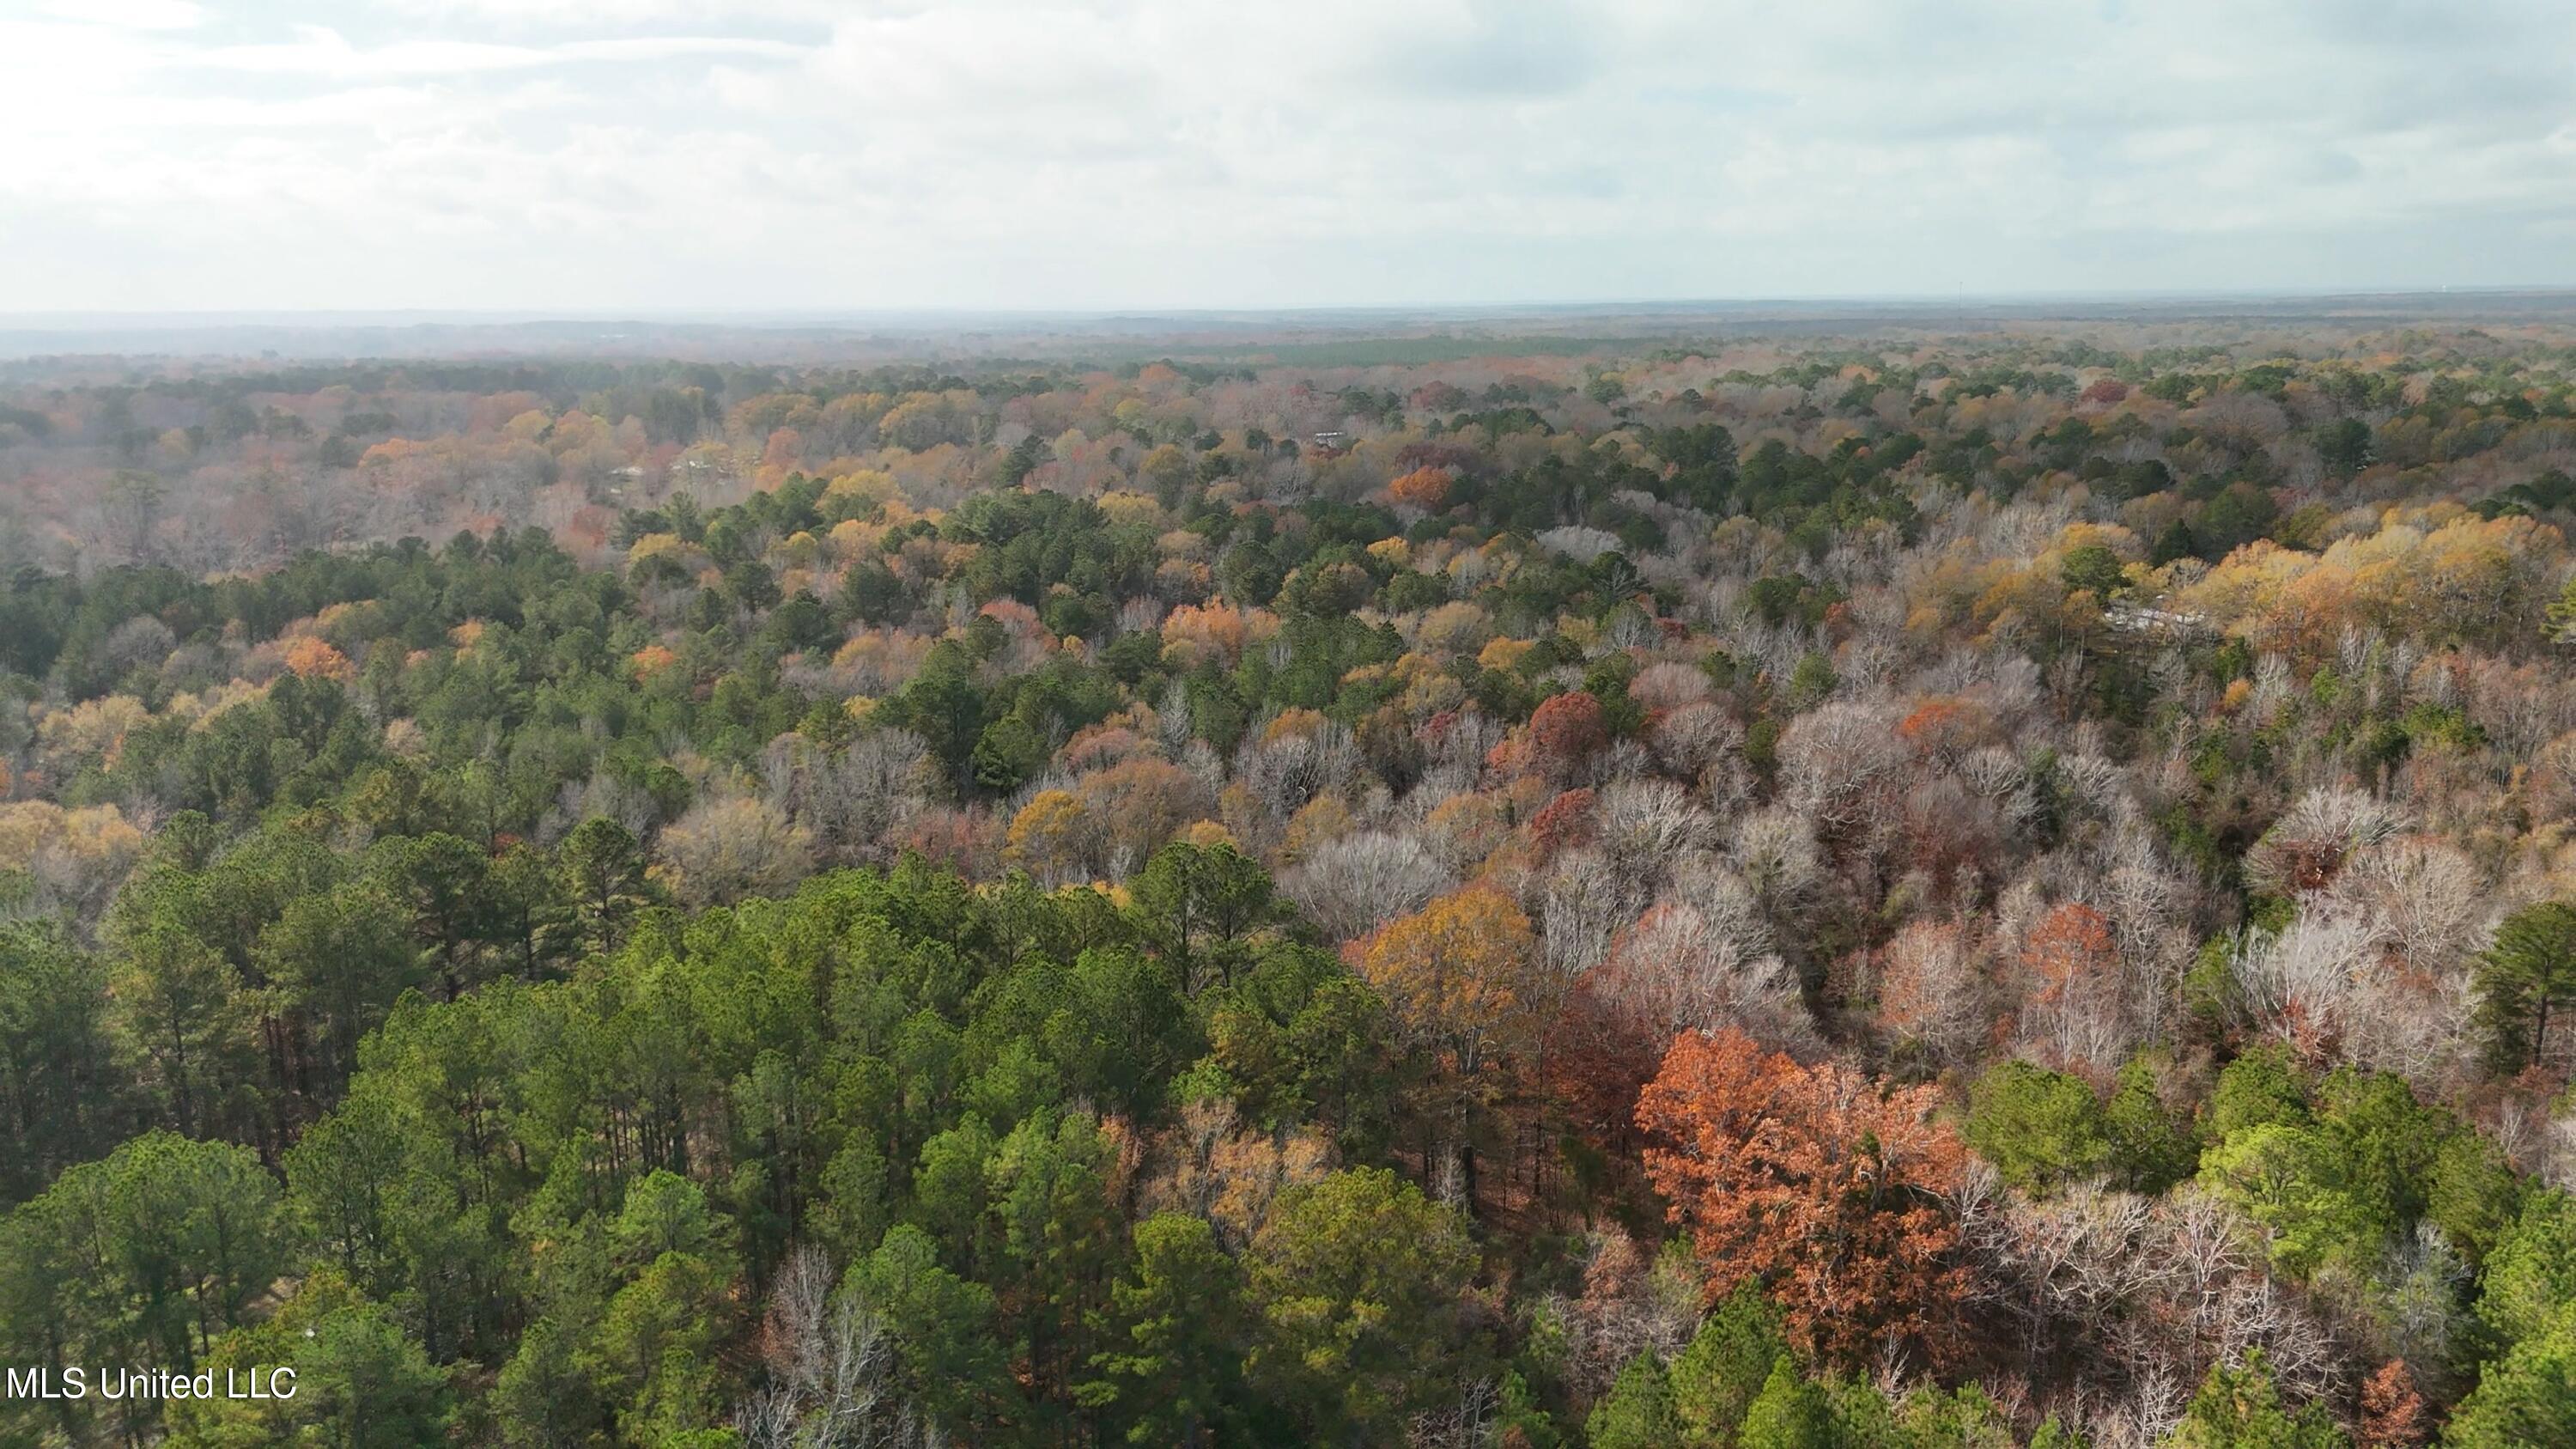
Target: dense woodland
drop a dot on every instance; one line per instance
(2013, 889)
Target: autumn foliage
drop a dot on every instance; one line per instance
(1565, 821)
(2073, 969)
(1423, 488)
(315, 659)
(1457, 975)
(1455, 969)
(1833, 1195)
(2166, 753)
(2392, 1412)
(1565, 731)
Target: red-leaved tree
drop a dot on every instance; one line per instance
(1565, 732)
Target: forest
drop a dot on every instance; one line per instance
(1900, 888)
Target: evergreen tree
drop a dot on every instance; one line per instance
(1726, 1365)
(1789, 1413)
(1638, 1411)
(2238, 1408)
(2041, 1129)
(2527, 976)
(1173, 1332)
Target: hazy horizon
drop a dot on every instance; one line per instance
(1464, 306)
(1415, 333)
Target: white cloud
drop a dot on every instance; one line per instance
(320, 51)
(127, 14)
(687, 154)
(536, 15)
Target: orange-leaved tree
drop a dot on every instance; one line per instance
(1831, 1195)
(1423, 488)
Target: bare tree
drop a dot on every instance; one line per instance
(1646, 826)
(2422, 898)
(1676, 971)
(1932, 993)
(1833, 757)
(2130, 1300)
(831, 1370)
(1581, 908)
(732, 846)
(1775, 852)
(859, 802)
(1352, 884)
(2309, 844)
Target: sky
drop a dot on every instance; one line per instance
(696, 156)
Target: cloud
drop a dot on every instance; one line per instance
(127, 14)
(541, 15)
(321, 51)
(691, 154)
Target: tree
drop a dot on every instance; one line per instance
(341, 957)
(2239, 1408)
(1356, 1280)
(1140, 805)
(1301, 1040)
(1174, 1325)
(2336, 1185)
(444, 879)
(649, 1361)
(603, 875)
(2344, 446)
(2093, 568)
(360, 1381)
(2041, 1129)
(2526, 1397)
(542, 1394)
(1789, 1413)
(2263, 1085)
(1053, 1258)
(1006, 753)
(1457, 976)
(2531, 1272)
(1726, 1365)
(1054, 838)
(2529, 973)
(1638, 1411)
(2151, 1147)
(949, 1364)
(1963, 1418)
(1196, 902)
(1566, 731)
(528, 909)
(146, 1254)
(180, 1015)
(58, 1084)
(2392, 1413)
(1423, 488)
(1809, 1182)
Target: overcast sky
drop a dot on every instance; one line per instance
(697, 155)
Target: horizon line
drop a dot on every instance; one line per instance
(826, 314)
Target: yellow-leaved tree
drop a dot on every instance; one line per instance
(1457, 975)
